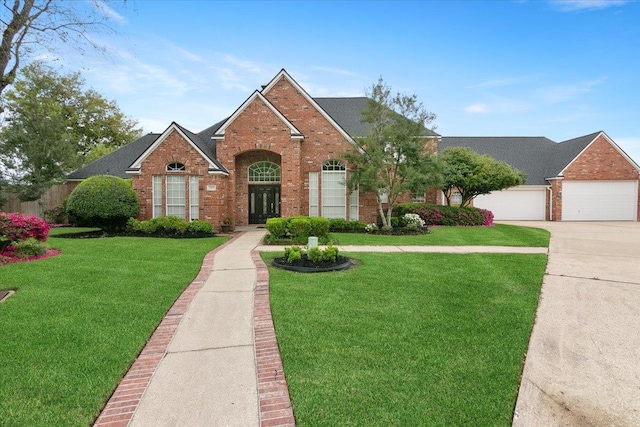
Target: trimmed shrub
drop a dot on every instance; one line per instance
(318, 226)
(339, 225)
(103, 201)
(169, 226)
(299, 227)
(199, 226)
(447, 215)
(277, 227)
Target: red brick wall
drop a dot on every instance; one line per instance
(322, 140)
(600, 161)
(177, 149)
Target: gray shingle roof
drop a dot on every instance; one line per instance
(117, 162)
(347, 113)
(538, 157)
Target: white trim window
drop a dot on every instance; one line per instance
(176, 203)
(334, 191)
(156, 190)
(313, 193)
(194, 197)
(354, 207)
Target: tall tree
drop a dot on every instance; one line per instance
(27, 25)
(53, 126)
(473, 174)
(395, 157)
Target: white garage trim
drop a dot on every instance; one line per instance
(525, 202)
(599, 200)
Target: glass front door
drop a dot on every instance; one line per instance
(264, 203)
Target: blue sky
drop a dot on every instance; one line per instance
(559, 69)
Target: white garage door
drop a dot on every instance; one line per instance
(599, 200)
(518, 203)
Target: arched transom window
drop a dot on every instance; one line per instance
(264, 172)
(333, 165)
(175, 167)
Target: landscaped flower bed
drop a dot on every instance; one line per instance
(315, 260)
(22, 238)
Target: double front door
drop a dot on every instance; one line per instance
(264, 202)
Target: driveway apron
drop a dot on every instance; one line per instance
(583, 363)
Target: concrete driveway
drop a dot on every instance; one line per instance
(583, 363)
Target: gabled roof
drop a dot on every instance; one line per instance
(283, 74)
(582, 143)
(295, 133)
(206, 150)
(538, 157)
(117, 162)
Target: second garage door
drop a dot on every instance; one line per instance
(518, 203)
(599, 200)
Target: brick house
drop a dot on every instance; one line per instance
(588, 178)
(280, 154)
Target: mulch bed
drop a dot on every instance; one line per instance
(13, 260)
(304, 265)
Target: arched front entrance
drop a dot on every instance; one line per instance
(264, 191)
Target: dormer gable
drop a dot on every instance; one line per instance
(257, 97)
(213, 166)
(284, 75)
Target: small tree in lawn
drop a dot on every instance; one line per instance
(473, 174)
(394, 157)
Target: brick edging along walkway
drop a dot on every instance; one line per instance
(273, 393)
(124, 401)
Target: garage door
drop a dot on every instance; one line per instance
(599, 200)
(518, 203)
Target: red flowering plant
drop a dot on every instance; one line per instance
(16, 228)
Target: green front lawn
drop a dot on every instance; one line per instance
(407, 339)
(497, 235)
(78, 320)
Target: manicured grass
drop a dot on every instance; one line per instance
(78, 320)
(407, 339)
(496, 235)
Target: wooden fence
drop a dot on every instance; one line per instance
(53, 197)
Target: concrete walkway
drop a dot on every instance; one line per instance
(583, 363)
(214, 360)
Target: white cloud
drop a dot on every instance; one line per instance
(477, 108)
(108, 12)
(578, 5)
(561, 93)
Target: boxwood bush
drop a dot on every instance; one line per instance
(103, 201)
(339, 225)
(297, 229)
(447, 215)
(170, 226)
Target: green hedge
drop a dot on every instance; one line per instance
(447, 215)
(103, 201)
(338, 225)
(169, 226)
(297, 228)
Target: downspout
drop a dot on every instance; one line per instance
(550, 202)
